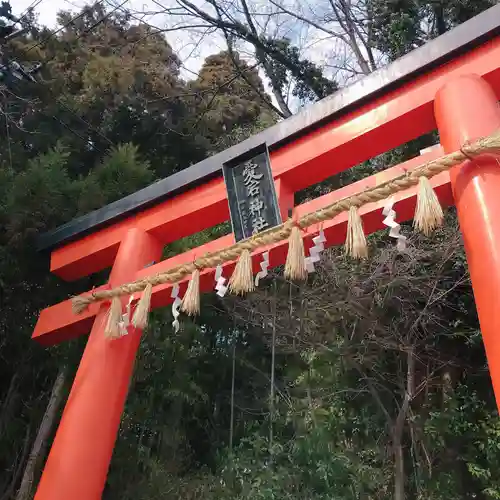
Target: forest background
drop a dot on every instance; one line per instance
(380, 383)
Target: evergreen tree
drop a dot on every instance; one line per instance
(228, 94)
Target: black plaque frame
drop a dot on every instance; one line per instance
(232, 171)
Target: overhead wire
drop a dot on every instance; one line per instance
(152, 26)
(233, 374)
(34, 4)
(103, 18)
(273, 369)
(216, 89)
(65, 125)
(64, 26)
(54, 33)
(85, 32)
(88, 30)
(9, 149)
(89, 126)
(159, 30)
(30, 7)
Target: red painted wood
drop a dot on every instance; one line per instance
(78, 462)
(476, 189)
(380, 125)
(58, 322)
(187, 213)
(67, 324)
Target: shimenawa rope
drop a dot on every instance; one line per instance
(490, 144)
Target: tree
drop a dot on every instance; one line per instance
(355, 38)
(282, 63)
(98, 124)
(401, 25)
(41, 440)
(228, 93)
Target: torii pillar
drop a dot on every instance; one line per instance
(467, 109)
(79, 459)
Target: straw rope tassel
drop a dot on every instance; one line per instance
(241, 280)
(191, 301)
(485, 145)
(428, 214)
(355, 244)
(112, 329)
(141, 313)
(295, 266)
(80, 303)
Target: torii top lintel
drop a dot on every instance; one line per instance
(451, 45)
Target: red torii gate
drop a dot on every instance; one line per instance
(452, 83)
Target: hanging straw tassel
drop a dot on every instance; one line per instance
(191, 301)
(355, 244)
(80, 304)
(428, 214)
(141, 313)
(295, 266)
(112, 330)
(241, 280)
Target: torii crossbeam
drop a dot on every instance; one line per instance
(452, 84)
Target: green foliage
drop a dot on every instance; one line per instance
(40, 197)
(465, 414)
(401, 25)
(120, 173)
(228, 96)
(397, 26)
(462, 10)
(311, 84)
(309, 466)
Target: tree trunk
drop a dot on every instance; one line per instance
(8, 493)
(350, 29)
(397, 433)
(5, 411)
(43, 435)
(399, 472)
(440, 21)
(261, 57)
